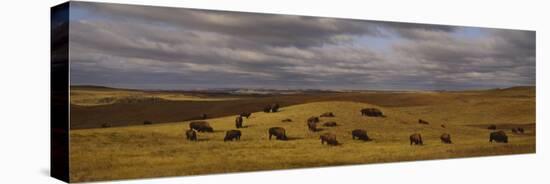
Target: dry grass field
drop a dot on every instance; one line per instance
(156, 150)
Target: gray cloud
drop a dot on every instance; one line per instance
(156, 47)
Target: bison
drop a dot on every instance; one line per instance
(330, 124)
(312, 123)
(360, 134)
(373, 112)
(327, 114)
(492, 127)
(246, 114)
(329, 138)
(286, 120)
(423, 122)
(105, 125)
(239, 122)
(445, 138)
(498, 136)
(442, 126)
(204, 116)
(201, 126)
(275, 108)
(231, 135)
(416, 139)
(191, 135)
(278, 132)
(312, 126)
(267, 109)
(518, 130)
(313, 119)
(147, 122)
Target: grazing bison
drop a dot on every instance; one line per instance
(329, 138)
(231, 135)
(313, 119)
(286, 120)
(275, 108)
(191, 135)
(201, 126)
(445, 138)
(360, 134)
(373, 112)
(327, 114)
(267, 109)
(246, 114)
(312, 126)
(105, 125)
(239, 122)
(312, 123)
(423, 122)
(498, 136)
(492, 127)
(416, 139)
(278, 132)
(518, 130)
(146, 122)
(330, 124)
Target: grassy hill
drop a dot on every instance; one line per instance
(92, 107)
(161, 149)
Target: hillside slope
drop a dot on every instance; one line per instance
(161, 149)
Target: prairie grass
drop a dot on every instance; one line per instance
(162, 150)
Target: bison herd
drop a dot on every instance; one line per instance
(329, 138)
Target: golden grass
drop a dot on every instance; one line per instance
(161, 149)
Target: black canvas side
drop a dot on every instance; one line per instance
(59, 91)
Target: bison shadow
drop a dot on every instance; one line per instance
(202, 139)
(293, 138)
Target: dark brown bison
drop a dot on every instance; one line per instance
(312, 126)
(373, 112)
(278, 132)
(105, 125)
(231, 135)
(286, 120)
(204, 116)
(191, 135)
(442, 126)
(201, 126)
(423, 122)
(330, 124)
(327, 114)
(492, 127)
(518, 130)
(275, 108)
(312, 123)
(498, 136)
(239, 122)
(445, 138)
(267, 109)
(329, 138)
(360, 134)
(313, 119)
(147, 122)
(246, 114)
(416, 139)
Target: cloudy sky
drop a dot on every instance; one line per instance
(172, 48)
